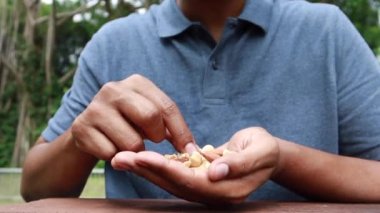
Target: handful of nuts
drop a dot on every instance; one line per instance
(196, 159)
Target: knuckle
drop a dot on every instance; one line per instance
(118, 100)
(135, 78)
(158, 137)
(150, 117)
(107, 154)
(151, 114)
(135, 143)
(258, 129)
(169, 108)
(78, 129)
(109, 88)
(93, 110)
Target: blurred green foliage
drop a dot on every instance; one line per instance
(364, 15)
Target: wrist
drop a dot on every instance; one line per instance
(287, 150)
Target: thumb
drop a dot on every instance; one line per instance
(231, 165)
(218, 171)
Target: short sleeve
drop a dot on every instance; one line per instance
(358, 92)
(85, 86)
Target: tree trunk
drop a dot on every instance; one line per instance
(22, 141)
(49, 54)
(108, 7)
(32, 8)
(3, 32)
(22, 138)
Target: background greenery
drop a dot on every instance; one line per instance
(40, 44)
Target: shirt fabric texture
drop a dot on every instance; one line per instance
(299, 70)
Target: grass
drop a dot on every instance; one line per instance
(95, 187)
(10, 188)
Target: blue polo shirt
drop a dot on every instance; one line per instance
(298, 69)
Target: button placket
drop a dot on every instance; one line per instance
(214, 84)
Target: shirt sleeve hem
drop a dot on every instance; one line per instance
(49, 135)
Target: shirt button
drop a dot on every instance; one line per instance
(214, 65)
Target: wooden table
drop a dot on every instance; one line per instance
(103, 205)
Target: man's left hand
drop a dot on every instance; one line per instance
(229, 179)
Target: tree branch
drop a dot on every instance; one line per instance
(63, 16)
(13, 70)
(67, 76)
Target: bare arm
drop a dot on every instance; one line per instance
(56, 169)
(324, 176)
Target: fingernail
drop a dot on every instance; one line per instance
(190, 148)
(221, 171)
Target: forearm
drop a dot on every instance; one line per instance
(323, 176)
(56, 169)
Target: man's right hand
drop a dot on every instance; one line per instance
(124, 113)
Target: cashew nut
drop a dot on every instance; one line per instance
(196, 160)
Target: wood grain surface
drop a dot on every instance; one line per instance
(144, 205)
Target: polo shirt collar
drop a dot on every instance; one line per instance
(258, 12)
(171, 21)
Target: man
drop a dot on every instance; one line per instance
(290, 86)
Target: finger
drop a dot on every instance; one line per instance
(242, 163)
(172, 116)
(122, 134)
(123, 160)
(187, 183)
(112, 124)
(90, 140)
(127, 161)
(189, 148)
(234, 169)
(175, 172)
(144, 114)
(172, 176)
(210, 155)
(230, 166)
